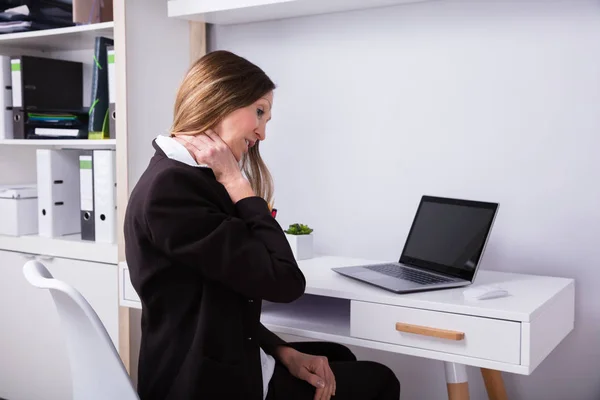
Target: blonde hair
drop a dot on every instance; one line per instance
(216, 85)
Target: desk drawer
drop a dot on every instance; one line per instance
(129, 292)
(486, 338)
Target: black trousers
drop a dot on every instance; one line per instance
(355, 380)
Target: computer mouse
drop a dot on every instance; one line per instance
(483, 292)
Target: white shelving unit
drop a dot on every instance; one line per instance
(60, 39)
(226, 12)
(145, 85)
(70, 246)
(61, 143)
(28, 317)
(76, 43)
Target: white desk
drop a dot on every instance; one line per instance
(510, 334)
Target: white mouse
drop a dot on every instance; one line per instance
(483, 292)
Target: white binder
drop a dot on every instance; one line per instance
(112, 85)
(16, 83)
(6, 123)
(58, 192)
(105, 196)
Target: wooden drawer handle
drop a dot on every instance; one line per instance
(427, 331)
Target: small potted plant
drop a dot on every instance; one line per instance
(300, 238)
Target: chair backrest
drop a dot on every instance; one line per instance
(97, 371)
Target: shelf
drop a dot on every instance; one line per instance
(62, 143)
(70, 246)
(71, 38)
(226, 12)
(316, 314)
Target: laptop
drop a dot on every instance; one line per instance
(443, 249)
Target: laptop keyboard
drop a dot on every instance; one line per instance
(408, 274)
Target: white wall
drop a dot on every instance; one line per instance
(483, 100)
(157, 59)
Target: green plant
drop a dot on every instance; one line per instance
(299, 229)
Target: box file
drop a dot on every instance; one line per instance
(86, 183)
(6, 126)
(58, 192)
(105, 195)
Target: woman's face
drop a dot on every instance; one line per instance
(244, 127)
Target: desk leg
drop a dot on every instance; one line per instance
(457, 381)
(494, 384)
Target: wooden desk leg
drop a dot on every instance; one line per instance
(494, 384)
(457, 381)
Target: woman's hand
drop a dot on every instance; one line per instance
(211, 150)
(312, 369)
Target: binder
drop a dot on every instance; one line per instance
(44, 86)
(17, 87)
(98, 114)
(6, 125)
(112, 92)
(86, 183)
(58, 192)
(18, 128)
(105, 195)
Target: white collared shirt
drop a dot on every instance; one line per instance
(176, 151)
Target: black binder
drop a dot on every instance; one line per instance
(112, 117)
(86, 192)
(46, 86)
(98, 120)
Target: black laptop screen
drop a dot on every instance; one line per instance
(449, 235)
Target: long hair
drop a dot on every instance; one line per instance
(216, 85)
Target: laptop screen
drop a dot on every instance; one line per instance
(449, 235)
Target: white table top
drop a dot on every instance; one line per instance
(527, 293)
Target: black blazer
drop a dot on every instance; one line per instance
(201, 266)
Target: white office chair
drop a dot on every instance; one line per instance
(97, 372)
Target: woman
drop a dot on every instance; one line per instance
(203, 250)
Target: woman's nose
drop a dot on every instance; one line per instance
(260, 132)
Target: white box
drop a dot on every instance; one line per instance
(18, 210)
